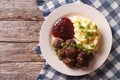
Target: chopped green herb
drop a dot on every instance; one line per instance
(88, 34)
(92, 46)
(72, 60)
(89, 51)
(60, 58)
(85, 49)
(94, 27)
(61, 53)
(79, 23)
(73, 44)
(88, 27)
(81, 27)
(53, 45)
(64, 45)
(82, 30)
(56, 49)
(79, 46)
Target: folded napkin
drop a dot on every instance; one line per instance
(110, 70)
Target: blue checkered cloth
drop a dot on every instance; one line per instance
(110, 70)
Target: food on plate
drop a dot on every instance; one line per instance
(57, 42)
(72, 54)
(86, 32)
(63, 28)
(75, 40)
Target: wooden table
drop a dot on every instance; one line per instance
(19, 33)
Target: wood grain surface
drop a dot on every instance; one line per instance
(20, 71)
(19, 10)
(20, 31)
(20, 22)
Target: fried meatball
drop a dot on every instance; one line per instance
(80, 58)
(78, 65)
(70, 52)
(68, 62)
(84, 58)
(57, 43)
(69, 41)
(79, 50)
(61, 53)
(90, 56)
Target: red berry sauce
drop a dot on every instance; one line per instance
(63, 28)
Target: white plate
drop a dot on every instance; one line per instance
(82, 10)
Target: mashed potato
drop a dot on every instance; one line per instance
(86, 32)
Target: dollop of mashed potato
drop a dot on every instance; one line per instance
(86, 32)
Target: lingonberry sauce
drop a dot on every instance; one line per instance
(63, 28)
